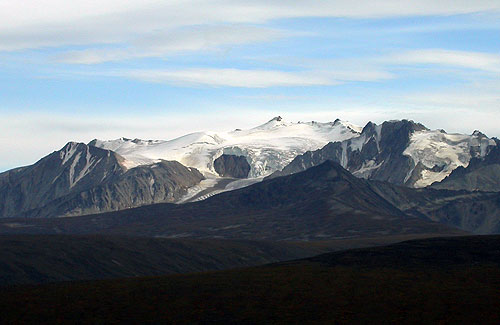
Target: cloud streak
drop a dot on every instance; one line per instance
(229, 78)
(463, 59)
(28, 24)
(159, 44)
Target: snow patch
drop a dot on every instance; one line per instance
(87, 168)
(151, 186)
(378, 131)
(69, 151)
(367, 169)
(358, 143)
(242, 183)
(344, 160)
(72, 170)
(203, 185)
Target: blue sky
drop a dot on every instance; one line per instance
(159, 69)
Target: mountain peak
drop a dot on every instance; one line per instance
(478, 133)
(70, 149)
(348, 125)
(70, 144)
(329, 170)
(369, 126)
(272, 123)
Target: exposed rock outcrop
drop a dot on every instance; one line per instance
(232, 166)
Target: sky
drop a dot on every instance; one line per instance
(79, 70)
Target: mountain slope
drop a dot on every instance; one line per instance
(399, 152)
(476, 212)
(81, 179)
(324, 202)
(74, 168)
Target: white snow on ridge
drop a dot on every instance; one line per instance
(68, 153)
(444, 151)
(272, 145)
(268, 147)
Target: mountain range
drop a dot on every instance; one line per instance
(324, 202)
(405, 173)
(118, 210)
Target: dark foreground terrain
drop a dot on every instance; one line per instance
(441, 280)
(32, 259)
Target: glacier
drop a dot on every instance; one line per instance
(268, 147)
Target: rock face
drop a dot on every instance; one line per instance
(482, 174)
(400, 152)
(232, 166)
(81, 179)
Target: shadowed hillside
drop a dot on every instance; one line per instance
(447, 281)
(322, 203)
(49, 258)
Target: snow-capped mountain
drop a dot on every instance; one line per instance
(267, 148)
(400, 152)
(117, 174)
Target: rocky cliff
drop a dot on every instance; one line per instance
(81, 179)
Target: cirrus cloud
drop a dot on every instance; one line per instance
(27, 24)
(229, 77)
(464, 59)
(161, 43)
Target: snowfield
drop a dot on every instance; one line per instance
(268, 147)
(444, 152)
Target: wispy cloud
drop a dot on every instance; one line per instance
(33, 24)
(229, 77)
(467, 66)
(384, 69)
(464, 59)
(221, 77)
(162, 43)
